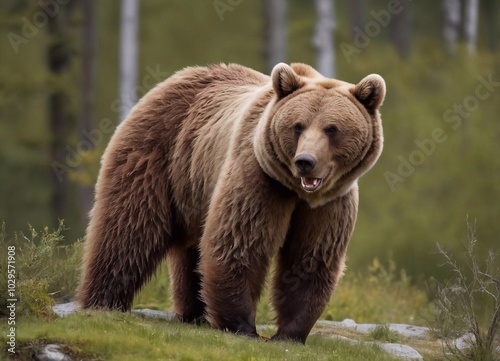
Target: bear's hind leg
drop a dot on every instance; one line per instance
(186, 283)
(128, 236)
(114, 273)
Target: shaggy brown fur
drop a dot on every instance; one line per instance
(218, 169)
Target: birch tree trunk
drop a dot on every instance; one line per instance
(129, 18)
(471, 23)
(452, 19)
(275, 32)
(323, 37)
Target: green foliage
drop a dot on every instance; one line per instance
(45, 269)
(123, 336)
(384, 334)
(381, 295)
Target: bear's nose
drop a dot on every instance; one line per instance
(305, 163)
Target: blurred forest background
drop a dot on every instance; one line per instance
(60, 100)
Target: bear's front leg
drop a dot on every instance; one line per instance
(246, 224)
(310, 264)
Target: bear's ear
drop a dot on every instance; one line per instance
(285, 80)
(370, 92)
(305, 70)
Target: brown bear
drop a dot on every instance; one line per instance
(219, 169)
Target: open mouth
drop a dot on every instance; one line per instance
(310, 184)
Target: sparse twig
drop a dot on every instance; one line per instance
(472, 287)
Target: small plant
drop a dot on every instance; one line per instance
(383, 333)
(45, 269)
(473, 290)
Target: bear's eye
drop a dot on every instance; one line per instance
(297, 128)
(331, 130)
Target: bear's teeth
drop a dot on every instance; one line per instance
(310, 184)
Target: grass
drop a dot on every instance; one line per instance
(46, 269)
(381, 294)
(122, 336)
(383, 333)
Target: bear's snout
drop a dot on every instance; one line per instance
(305, 164)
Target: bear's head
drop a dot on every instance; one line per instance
(318, 135)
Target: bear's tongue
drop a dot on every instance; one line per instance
(310, 184)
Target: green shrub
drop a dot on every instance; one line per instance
(45, 269)
(469, 303)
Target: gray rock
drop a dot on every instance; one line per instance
(415, 332)
(465, 341)
(346, 323)
(51, 352)
(403, 351)
(146, 312)
(410, 331)
(65, 309)
(365, 327)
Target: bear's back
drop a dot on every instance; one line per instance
(204, 138)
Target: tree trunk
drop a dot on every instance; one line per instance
(471, 23)
(129, 19)
(323, 37)
(452, 19)
(86, 123)
(356, 11)
(275, 32)
(400, 30)
(490, 11)
(58, 59)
